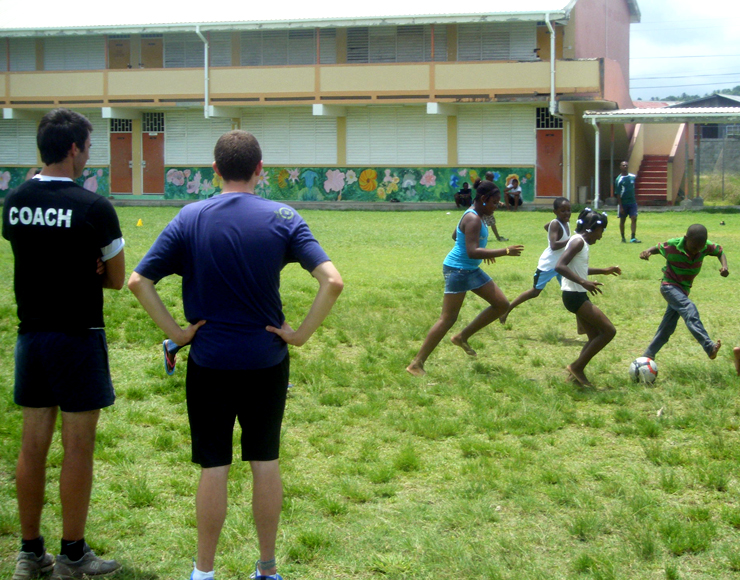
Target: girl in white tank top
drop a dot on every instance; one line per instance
(573, 267)
(558, 232)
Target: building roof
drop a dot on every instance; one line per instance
(666, 115)
(86, 17)
(719, 98)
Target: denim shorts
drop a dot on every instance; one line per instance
(457, 280)
(68, 370)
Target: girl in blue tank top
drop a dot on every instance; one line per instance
(461, 269)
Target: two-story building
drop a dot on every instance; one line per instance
(383, 108)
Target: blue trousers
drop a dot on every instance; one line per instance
(679, 305)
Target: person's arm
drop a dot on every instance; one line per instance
(472, 227)
(553, 235)
(562, 267)
(645, 254)
(723, 271)
(114, 271)
(613, 271)
(146, 293)
(330, 287)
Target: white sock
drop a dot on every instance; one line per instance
(198, 575)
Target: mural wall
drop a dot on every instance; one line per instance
(95, 179)
(368, 184)
(349, 184)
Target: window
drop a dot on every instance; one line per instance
(497, 41)
(183, 51)
(18, 142)
(396, 44)
(190, 137)
(286, 47)
(74, 53)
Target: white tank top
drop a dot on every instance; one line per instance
(579, 265)
(550, 257)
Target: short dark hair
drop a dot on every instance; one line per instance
(486, 189)
(698, 233)
(58, 130)
(558, 201)
(489, 176)
(237, 154)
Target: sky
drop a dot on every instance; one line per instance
(684, 46)
(680, 46)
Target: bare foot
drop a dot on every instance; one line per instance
(416, 369)
(463, 344)
(715, 350)
(503, 317)
(736, 352)
(578, 377)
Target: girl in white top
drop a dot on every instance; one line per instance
(573, 267)
(558, 233)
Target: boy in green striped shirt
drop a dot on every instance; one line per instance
(684, 257)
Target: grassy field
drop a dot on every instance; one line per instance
(487, 468)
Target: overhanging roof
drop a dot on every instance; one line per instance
(665, 115)
(272, 15)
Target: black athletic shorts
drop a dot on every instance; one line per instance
(574, 300)
(216, 398)
(68, 370)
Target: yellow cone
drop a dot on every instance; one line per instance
(139, 223)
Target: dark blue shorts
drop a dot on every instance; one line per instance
(216, 398)
(628, 209)
(68, 370)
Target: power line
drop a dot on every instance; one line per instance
(686, 85)
(685, 56)
(687, 76)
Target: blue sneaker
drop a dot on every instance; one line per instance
(257, 576)
(170, 352)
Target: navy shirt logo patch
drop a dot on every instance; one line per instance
(286, 213)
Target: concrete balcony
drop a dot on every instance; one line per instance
(281, 85)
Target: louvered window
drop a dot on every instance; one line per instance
(396, 44)
(293, 136)
(286, 47)
(395, 135)
(183, 50)
(219, 48)
(17, 142)
(190, 137)
(497, 41)
(74, 53)
(3, 55)
(496, 135)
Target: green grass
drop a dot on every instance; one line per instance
(490, 468)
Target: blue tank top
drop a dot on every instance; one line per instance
(458, 256)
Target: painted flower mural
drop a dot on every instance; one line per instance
(429, 179)
(294, 175)
(282, 178)
(176, 177)
(351, 177)
(368, 180)
(334, 181)
(91, 179)
(4, 180)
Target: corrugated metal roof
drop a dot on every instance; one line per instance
(666, 115)
(87, 17)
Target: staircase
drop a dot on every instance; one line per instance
(651, 186)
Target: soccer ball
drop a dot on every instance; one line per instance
(643, 370)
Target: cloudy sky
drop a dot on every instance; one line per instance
(685, 46)
(679, 46)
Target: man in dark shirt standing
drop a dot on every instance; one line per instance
(64, 234)
(230, 250)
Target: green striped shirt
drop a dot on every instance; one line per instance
(680, 268)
